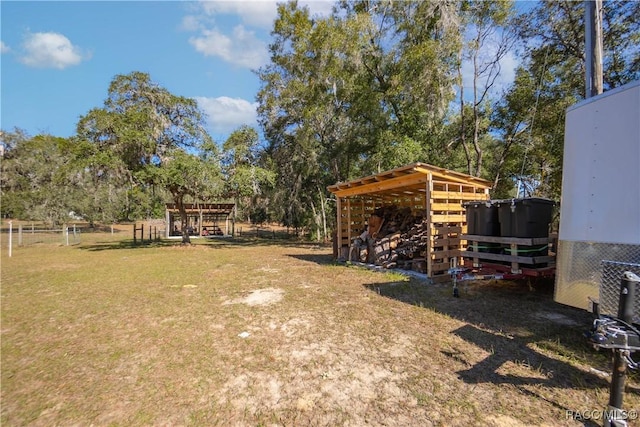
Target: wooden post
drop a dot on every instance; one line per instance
(167, 222)
(338, 224)
(134, 234)
(515, 267)
(476, 260)
(19, 234)
(428, 195)
(10, 237)
(349, 236)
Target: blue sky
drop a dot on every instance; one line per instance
(58, 58)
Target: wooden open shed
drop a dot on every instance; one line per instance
(434, 195)
(203, 219)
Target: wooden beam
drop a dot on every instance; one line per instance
(457, 207)
(376, 187)
(524, 241)
(454, 176)
(457, 195)
(508, 258)
(435, 218)
(446, 253)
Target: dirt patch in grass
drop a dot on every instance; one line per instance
(259, 297)
(255, 332)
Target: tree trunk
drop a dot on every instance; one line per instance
(186, 240)
(463, 139)
(476, 116)
(316, 219)
(324, 216)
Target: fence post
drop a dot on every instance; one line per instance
(10, 236)
(134, 233)
(112, 229)
(66, 233)
(150, 235)
(74, 233)
(142, 234)
(19, 234)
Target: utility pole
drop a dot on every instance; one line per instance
(593, 47)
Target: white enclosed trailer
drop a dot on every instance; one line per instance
(600, 204)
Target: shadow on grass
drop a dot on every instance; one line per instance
(551, 372)
(126, 244)
(212, 243)
(321, 258)
(502, 350)
(506, 319)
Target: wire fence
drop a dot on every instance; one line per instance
(21, 236)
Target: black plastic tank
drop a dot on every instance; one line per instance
(528, 217)
(482, 218)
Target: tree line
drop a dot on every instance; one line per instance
(373, 86)
(143, 148)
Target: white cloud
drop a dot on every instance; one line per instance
(50, 50)
(261, 13)
(4, 48)
(318, 7)
(226, 114)
(256, 13)
(191, 23)
(241, 48)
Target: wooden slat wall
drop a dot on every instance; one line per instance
(448, 223)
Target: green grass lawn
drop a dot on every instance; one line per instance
(267, 332)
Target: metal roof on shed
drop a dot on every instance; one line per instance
(405, 180)
(206, 208)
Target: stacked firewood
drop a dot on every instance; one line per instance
(393, 220)
(394, 235)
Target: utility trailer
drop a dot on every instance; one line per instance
(600, 205)
(598, 258)
(597, 265)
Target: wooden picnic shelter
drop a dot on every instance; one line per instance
(203, 219)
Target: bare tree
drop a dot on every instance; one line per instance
(489, 39)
